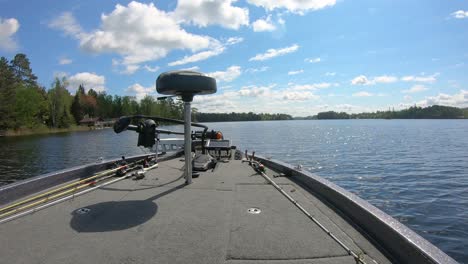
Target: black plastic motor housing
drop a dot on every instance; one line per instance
(146, 133)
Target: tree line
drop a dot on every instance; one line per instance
(250, 116)
(414, 112)
(26, 104)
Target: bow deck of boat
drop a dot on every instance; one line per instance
(161, 220)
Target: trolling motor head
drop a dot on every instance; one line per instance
(186, 84)
(122, 124)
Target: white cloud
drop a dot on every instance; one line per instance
(425, 79)
(68, 24)
(130, 69)
(226, 102)
(234, 40)
(362, 94)
(415, 89)
(261, 25)
(458, 100)
(313, 60)
(89, 80)
(255, 91)
(229, 75)
(330, 73)
(363, 80)
(299, 96)
(460, 14)
(360, 80)
(295, 72)
(138, 32)
(261, 69)
(296, 6)
(8, 28)
(407, 98)
(208, 12)
(194, 68)
(385, 79)
(216, 49)
(314, 86)
(151, 69)
(139, 91)
(203, 55)
(65, 61)
(271, 53)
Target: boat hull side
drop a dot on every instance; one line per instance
(20, 189)
(401, 243)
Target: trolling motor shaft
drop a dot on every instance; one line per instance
(186, 84)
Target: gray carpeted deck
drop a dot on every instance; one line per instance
(161, 220)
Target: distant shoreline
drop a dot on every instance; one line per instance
(41, 131)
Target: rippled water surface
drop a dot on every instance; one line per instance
(414, 170)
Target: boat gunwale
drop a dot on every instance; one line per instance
(21, 189)
(405, 245)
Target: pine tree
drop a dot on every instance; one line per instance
(7, 95)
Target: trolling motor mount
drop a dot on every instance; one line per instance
(186, 84)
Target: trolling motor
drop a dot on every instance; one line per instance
(185, 84)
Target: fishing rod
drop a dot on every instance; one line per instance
(43, 206)
(46, 194)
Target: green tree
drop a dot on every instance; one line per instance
(29, 107)
(76, 109)
(7, 95)
(59, 104)
(22, 69)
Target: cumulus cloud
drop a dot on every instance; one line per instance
(255, 91)
(299, 96)
(130, 69)
(229, 75)
(271, 53)
(225, 102)
(89, 80)
(139, 91)
(295, 72)
(295, 6)
(362, 94)
(458, 100)
(8, 28)
(363, 80)
(313, 60)
(460, 14)
(261, 25)
(360, 80)
(65, 61)
(415, 89)
(208, 12)
(137, 32)
(289, 94)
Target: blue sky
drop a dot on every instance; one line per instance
(280, 56)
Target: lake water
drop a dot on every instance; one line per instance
(414, 170)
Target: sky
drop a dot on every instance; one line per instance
(298, 57)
